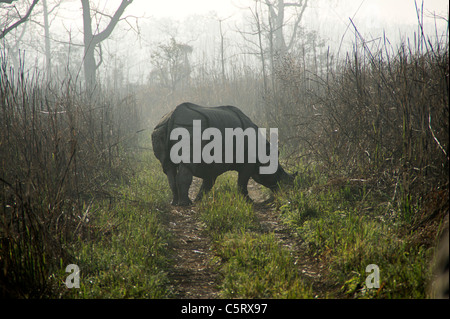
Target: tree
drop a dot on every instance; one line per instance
(91, 40)
(277, 23)
(48, 56)
(46, 26)
(257, 46)
(171, 62)
(271, 22)
(21, 19)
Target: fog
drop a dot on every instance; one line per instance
(147, 24)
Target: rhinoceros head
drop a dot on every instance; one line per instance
(273, 181)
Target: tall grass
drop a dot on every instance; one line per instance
(59, 149)
(373, 137)
(380, 115)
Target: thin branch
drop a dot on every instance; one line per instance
(52, 9)
(108, 30)
(102, 13)
(297, 22)
(66, 42)
(18, 22)
(434, 136)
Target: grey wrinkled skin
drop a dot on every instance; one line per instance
(180, 175)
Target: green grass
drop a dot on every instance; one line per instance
(340, 229)
(253, 265)
(256, 266)
(348, 242)
(125, 254)
(129, 263)
(225, 210)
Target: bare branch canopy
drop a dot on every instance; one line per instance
(21, 20)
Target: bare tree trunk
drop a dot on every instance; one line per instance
(261, 48)
(280, 43)
(263, 61)
(271, 54)
(48, 55)
(92, 40)
(89, 45)
(222, 58)
(276, 19)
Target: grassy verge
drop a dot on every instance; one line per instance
(349, 228)
(124, 255)
(256, 266)
(253, 265)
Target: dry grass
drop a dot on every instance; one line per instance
(58, 150)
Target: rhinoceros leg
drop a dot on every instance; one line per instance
(243, 178)
(184, 180)
(207, 184)
(171, 176)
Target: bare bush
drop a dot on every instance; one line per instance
(380, 115)
(58, 150)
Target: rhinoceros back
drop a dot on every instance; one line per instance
(183, 115)
(219, 117)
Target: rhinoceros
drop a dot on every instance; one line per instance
(180, 174)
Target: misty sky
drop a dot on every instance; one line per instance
(397, 18)
(398, 11)
(330, 18)
(195, 22)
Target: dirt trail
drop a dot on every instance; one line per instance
(193, 276)
(313, 271)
